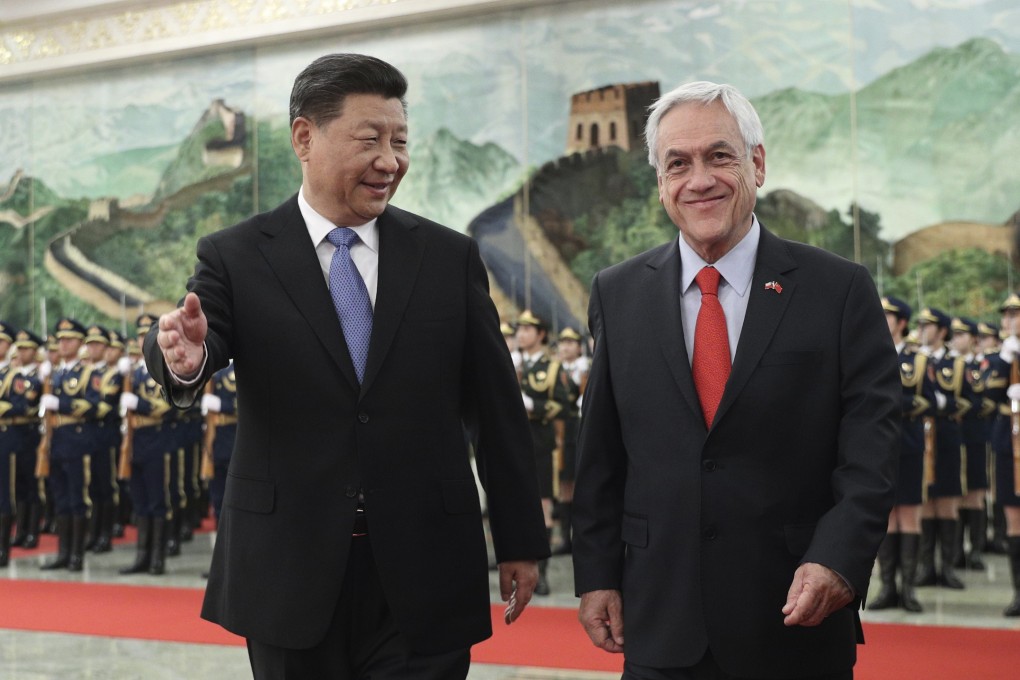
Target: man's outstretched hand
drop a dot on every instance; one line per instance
(181, 338)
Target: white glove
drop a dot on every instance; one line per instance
(529, 403)
(1013, 392)
(45, 368)
(124, 365)
(941, 401)
(1010, 349)
(210, 402)
(49, 402)
(128, 402)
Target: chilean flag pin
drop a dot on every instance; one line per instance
(774, 285)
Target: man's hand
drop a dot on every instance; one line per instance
(816, 592)
(181, 338)
(517, 582)
(601, 614)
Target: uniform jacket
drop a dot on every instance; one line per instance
(309, 440)
(702, 531)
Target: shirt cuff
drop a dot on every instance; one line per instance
(181, 382)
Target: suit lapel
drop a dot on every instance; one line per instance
(291, 255)
(667, 321)
(400, 256)
(765, 309)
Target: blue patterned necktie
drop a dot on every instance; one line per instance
(350, 297)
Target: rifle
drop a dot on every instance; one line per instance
(212, 419)
(127, 443)
(42, 454)
(1014, 407)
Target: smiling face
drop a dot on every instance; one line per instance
(707, 180)
(351, 166)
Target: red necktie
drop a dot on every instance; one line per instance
(711, 345)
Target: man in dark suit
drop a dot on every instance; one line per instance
(351, 542)
(736, 455)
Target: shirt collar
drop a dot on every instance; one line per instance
(736, 266)
(318, 226)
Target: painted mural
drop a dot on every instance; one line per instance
(892, 129)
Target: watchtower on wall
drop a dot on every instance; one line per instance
(613, 115)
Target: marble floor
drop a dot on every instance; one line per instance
(28, 655)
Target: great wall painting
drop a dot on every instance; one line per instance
(526, 133)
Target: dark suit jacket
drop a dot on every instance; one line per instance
(308, 438)
(702, 531)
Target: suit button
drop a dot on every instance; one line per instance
(709, 533)
(351, 491)
(708, 465)
(362, 418)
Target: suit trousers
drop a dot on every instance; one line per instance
(707, 669)
(362, 642)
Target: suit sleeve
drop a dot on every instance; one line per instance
(868, 441)
(494, 415)
(212, 285)
(601, 471)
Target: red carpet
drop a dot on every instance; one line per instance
(544, 637)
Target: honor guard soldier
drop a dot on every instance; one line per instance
(9, 438)
(1002, 384)
(568, 349)
(104, 387)
(547, 391)
(940, 513)
(974, 431)
(899, 548)
(148, 451)
(116, 360)
(20, 390)
(510, 336)
(219, 406)
(70, 407)
(186, 487)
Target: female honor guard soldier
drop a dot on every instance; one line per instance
(20, 391)
(899, 548)
(151, 441)
(1002, 384)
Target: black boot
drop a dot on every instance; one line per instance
(888, 554)
(92, 526)
(926, 555)
(157, 564)
(567, 546)
(542, 587)
(5, 540)
(948, 529)
(908, 567)
(104, 541)
(62, 527)
(144, 547)
(977, 527)
(997, 545)
(34, 520)
(960, 559)
(21, 525)
(173, 533)
(1013, 551)
(79, 527)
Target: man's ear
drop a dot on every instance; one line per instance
(301, 137)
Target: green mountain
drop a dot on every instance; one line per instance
(934, 140)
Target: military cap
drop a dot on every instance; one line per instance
(963, 325)
(97, 333)
(51, 343)
(1011, 302)
(133, 348)
(988, 329)
(69, 328)
(144, 322)
(528, 319)
(506, 329)
(896, 306)
(6, 331)
(569, 333)
(116, 339)
(27, 339)
(912, 338)
(935, 316)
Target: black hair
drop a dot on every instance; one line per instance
(320, 89)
